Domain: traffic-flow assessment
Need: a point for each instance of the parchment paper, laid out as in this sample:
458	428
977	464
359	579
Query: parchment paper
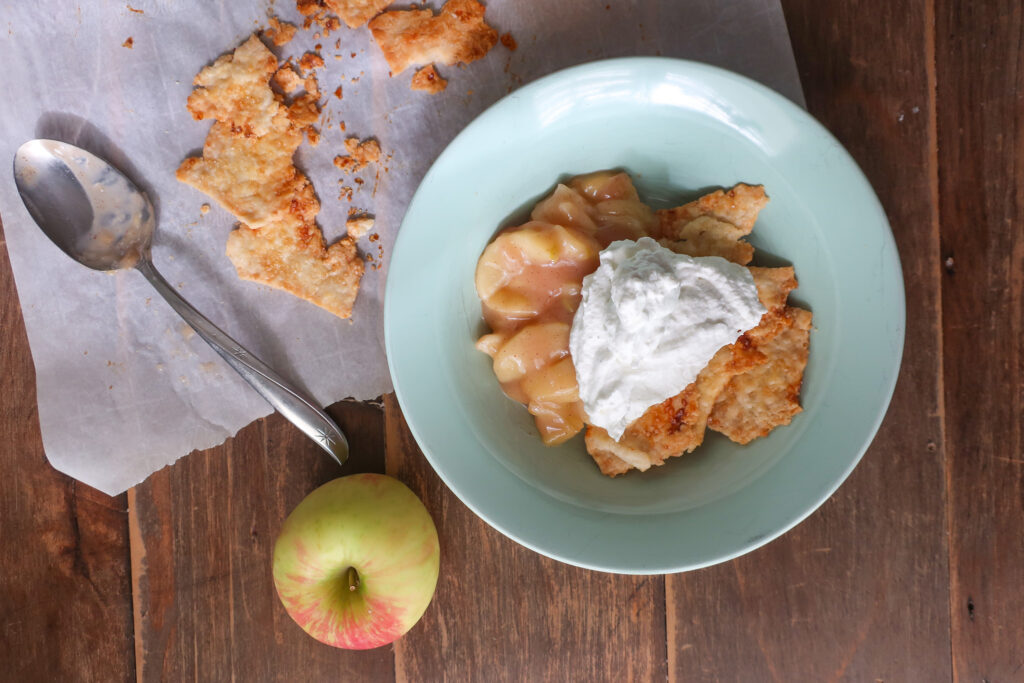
124	387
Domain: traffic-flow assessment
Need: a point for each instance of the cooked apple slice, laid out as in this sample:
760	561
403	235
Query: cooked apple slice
491	273
491	343
630	218
535	241
556	422
530	349
555	383
512	304
565	207
605	185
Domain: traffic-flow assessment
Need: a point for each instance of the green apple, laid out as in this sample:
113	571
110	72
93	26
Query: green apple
356	561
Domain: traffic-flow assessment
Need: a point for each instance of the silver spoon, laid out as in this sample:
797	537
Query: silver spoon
102	220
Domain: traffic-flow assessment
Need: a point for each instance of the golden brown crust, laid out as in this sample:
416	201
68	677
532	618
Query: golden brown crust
287	79
251	176
755	402
773	285
247	167
280	32
739	206
304	110
457	34
714	224
360	155
291	256
311	60
234	88
707	236
428	80
355	13
308	8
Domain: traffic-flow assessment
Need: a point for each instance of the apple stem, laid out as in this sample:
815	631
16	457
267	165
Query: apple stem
353	579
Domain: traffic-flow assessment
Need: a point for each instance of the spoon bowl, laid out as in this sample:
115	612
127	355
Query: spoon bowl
85	206
98	217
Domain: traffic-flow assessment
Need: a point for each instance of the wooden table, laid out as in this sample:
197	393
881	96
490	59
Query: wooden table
913	571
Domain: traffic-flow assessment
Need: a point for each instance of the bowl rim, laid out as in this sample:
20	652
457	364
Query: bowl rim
891	373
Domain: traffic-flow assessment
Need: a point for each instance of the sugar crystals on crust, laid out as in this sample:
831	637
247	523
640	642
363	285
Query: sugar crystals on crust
715	224
355	13
458	34
247	167
234	89
755	402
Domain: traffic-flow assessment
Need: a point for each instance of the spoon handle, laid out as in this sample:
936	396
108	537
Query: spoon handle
289	401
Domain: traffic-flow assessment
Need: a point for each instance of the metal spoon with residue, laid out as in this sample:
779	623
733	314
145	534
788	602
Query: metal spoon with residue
100	218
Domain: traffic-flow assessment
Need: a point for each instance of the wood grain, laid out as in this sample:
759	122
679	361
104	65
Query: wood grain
505	613
911	572
202	540
65	602
858	591
980	70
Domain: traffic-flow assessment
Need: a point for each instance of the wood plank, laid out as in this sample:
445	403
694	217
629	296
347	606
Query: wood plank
505	613
859	590
203	533
65	605
980	69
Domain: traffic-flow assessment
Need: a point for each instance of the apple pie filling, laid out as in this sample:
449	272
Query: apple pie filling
529	280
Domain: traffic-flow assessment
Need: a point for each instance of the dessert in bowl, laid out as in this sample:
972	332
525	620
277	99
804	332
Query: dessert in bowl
680	130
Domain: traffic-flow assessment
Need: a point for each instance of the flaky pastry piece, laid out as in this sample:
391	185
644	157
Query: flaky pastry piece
355	13
251	176
247	167
290	254
457	34
768	395
715	224
293	257
234	88
739	206
280	32
287	79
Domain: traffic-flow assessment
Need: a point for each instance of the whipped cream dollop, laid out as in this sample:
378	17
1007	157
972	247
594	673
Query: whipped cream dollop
648	323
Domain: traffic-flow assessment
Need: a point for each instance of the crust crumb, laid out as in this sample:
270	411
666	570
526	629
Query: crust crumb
311	60
360	155
428	80
280	32
359	225
287	80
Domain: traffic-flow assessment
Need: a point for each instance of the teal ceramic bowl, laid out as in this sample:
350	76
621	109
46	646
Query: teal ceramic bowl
678	128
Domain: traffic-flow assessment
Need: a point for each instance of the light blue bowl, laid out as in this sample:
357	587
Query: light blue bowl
678	128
